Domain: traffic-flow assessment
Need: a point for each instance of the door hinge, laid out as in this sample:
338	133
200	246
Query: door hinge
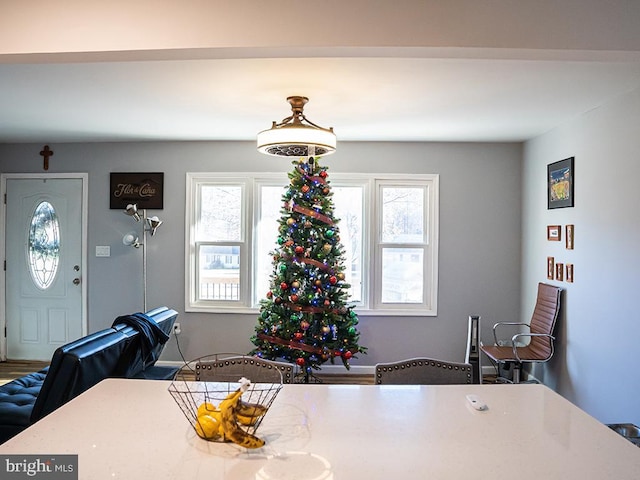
5	198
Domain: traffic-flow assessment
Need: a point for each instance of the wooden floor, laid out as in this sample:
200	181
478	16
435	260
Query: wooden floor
13	369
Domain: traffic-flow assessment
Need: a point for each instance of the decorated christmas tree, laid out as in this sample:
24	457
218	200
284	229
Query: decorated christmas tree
305	318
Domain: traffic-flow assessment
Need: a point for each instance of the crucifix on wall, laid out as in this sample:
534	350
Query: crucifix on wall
46	152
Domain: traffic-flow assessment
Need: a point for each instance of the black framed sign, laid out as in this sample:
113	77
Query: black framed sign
144	189
560	184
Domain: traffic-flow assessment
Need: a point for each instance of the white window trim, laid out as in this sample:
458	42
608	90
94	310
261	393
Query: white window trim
429	306
194	181
370	247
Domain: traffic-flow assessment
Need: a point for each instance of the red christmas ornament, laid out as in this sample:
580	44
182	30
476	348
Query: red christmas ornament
333	280
278	300
294	298
299	249
305	188
327	303
300	362
336	353
269	294
323	174
284	286
347	354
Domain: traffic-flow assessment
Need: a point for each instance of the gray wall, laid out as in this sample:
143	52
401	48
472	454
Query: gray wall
595	365
480	226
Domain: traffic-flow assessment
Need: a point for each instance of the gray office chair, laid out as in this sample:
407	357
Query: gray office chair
423	371
258	370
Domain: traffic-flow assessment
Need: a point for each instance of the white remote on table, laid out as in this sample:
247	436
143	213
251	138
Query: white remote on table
476	402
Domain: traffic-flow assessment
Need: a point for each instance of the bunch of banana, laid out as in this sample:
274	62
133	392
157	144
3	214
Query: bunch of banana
223	421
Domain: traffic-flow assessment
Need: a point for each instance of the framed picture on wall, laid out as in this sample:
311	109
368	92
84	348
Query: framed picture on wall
559	272
551	269
144	189
560	184
570	272
569	237
554	233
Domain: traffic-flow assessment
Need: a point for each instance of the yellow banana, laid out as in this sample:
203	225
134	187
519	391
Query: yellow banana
246	420
230	424
229	420
232	399
206	408
208	426
250	409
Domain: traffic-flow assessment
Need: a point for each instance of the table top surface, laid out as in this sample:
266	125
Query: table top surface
134	429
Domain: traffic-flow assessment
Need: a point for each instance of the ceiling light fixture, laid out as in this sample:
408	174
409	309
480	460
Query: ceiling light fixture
297	136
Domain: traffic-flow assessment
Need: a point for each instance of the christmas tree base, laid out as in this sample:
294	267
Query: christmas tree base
306	377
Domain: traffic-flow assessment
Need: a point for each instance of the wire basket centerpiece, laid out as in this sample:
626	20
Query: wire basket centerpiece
226	397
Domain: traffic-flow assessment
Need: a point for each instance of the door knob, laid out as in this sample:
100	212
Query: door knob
76	281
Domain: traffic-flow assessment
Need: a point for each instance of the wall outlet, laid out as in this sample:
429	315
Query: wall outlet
176	328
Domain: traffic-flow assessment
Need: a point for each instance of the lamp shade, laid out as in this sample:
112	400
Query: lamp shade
296	136
132	211
153	222
131	240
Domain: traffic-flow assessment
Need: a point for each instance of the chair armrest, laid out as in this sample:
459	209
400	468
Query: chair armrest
495	327
515	338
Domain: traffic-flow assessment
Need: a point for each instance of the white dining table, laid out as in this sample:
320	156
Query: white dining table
133	429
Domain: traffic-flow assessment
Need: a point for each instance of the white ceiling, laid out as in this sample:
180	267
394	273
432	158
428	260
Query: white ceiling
372	99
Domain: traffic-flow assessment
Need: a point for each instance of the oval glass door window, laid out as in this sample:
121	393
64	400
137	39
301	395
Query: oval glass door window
44	245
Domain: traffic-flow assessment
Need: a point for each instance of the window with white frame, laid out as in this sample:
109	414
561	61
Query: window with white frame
388	226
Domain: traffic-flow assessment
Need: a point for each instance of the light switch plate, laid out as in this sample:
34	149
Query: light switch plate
103	251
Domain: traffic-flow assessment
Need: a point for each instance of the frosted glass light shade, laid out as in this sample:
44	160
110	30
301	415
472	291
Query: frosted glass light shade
296	140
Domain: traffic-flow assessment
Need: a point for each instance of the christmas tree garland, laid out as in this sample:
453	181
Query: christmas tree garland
312	213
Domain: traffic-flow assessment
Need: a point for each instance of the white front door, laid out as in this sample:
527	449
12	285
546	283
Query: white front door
44	273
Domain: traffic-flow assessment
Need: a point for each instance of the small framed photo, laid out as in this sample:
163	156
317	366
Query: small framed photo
554	233
559	272
551	270
560	187
569	237
570	272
